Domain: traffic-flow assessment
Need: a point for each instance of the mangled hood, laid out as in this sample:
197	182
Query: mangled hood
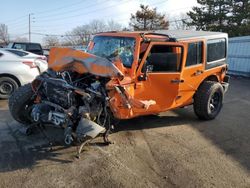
67	59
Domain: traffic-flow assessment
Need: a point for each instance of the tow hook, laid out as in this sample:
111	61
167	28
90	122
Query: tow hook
68	139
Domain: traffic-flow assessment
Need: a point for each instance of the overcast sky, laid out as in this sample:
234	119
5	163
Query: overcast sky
60	16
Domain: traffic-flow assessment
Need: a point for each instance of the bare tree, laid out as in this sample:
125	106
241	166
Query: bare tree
179	22
97	26
50	41
4	35
21	39
78	36
113	26
81	34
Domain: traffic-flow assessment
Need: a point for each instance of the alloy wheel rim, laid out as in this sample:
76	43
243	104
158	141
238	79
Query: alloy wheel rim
214	102
6	88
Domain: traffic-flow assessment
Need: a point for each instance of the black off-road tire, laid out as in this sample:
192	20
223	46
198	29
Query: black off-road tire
208	100
7	87
19	103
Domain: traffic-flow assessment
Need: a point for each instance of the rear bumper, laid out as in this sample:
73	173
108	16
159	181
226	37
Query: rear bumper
225	83
28	76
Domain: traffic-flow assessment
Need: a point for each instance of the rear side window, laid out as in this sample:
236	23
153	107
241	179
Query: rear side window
194	55
216	49
19	53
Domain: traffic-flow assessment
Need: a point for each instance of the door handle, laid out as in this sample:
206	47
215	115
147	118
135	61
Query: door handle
198	72
177	81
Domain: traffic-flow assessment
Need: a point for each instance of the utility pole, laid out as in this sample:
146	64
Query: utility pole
30	27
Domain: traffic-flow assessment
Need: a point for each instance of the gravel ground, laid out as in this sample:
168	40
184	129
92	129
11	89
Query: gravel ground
174	149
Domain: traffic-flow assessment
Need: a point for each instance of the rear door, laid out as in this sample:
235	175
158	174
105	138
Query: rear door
193	70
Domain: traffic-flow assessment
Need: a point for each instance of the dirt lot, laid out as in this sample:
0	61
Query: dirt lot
174	149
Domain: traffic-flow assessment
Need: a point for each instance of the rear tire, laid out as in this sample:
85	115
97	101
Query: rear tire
20	102
7	87
208	100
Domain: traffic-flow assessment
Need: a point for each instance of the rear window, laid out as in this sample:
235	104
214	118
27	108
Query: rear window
216	49
19	53
34	47
20	46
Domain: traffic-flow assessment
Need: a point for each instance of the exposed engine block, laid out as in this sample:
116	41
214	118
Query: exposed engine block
56	92
71	103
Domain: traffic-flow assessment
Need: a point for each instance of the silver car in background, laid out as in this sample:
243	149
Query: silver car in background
16	71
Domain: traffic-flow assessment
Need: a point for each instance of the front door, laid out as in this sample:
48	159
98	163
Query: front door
160	83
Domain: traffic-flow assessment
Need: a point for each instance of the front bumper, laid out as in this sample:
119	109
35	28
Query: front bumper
225	83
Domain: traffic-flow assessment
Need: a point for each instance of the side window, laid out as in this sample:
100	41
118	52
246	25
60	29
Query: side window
216	49
163	58
1	54
194	55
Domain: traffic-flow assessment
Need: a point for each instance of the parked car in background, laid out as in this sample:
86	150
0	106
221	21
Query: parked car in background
42	64
26	54
16	71
35	48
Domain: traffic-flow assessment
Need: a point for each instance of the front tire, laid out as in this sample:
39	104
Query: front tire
7	87
208	100
20	102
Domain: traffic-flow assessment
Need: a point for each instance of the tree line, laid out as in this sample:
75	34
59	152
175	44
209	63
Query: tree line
82	34
230	16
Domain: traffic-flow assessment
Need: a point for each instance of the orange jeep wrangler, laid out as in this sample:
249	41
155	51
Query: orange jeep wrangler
168	69
123	75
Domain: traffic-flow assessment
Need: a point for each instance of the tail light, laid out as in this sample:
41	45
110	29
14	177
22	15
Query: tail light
31	64
42	58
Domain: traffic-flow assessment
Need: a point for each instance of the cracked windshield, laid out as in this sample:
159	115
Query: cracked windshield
110	47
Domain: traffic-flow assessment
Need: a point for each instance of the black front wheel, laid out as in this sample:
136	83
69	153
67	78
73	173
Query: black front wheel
20	103
7	87
208	100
